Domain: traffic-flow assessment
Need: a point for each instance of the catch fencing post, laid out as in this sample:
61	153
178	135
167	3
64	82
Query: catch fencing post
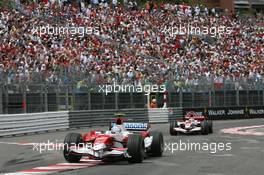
224	95
57	97
103	101
212	89
6	98
247	97
148	100
210	98
193	98
73	98
89	99
45	98
1	99
259	100
169	99
24	99
41	96
116	100
237	97
263	97
181	97
67	98
131	99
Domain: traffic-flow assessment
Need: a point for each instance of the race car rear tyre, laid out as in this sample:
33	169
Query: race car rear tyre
72	139
156	148
135	148
172	126
210	125
204	128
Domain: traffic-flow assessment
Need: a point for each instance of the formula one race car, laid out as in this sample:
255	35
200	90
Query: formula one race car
130	141
192	123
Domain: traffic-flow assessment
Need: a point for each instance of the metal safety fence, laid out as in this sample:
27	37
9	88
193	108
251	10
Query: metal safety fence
44	98
17	124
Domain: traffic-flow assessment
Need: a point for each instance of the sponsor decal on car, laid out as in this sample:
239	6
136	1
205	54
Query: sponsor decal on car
134	126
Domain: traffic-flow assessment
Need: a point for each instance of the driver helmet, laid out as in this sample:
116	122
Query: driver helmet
119	121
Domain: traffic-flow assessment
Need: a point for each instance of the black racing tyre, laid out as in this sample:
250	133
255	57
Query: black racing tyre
204	128
135	148
157	146
72	139
210	125
173	125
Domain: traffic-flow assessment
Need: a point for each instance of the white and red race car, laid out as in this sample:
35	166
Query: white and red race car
192	123
131	141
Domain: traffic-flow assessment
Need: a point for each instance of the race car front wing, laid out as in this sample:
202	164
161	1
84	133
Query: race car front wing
195	129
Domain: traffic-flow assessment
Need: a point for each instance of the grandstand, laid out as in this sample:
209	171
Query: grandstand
110	43
124	44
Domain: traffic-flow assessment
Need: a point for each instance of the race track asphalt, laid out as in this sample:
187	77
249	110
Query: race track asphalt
214	154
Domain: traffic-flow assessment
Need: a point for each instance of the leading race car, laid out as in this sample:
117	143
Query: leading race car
124	140
192	123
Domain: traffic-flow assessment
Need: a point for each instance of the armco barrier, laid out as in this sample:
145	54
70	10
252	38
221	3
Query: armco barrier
89	118
34	122
175	113
224	113
164	115
158	115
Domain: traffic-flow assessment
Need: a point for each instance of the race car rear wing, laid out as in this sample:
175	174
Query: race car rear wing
132	126
201	117
194	115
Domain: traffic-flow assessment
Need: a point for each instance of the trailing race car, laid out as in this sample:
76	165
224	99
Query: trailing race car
131	141
192	123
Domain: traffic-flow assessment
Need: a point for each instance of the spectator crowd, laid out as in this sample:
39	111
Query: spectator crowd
131	45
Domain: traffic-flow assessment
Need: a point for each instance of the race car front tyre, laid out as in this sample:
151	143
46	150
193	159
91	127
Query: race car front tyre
135	148
72	139
156	148
204	128
210	124
172	126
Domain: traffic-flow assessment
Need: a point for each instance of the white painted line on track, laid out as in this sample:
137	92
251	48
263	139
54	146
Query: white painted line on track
223	155
60	167
19	173
251	148
18	143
